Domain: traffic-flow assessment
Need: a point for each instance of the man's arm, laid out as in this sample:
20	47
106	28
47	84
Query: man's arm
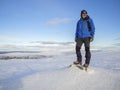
92	32
76	34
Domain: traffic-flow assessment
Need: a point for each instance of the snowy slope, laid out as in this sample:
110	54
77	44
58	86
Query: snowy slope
53	73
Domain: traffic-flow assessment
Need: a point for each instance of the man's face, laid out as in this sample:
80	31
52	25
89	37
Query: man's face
84	15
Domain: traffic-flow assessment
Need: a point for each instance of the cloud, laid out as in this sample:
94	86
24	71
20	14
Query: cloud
37	45
11	47
8	46
56	21
117	44
52	43
117	39
58	43
5	38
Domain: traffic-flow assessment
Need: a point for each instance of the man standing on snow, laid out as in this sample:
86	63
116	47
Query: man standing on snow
84	35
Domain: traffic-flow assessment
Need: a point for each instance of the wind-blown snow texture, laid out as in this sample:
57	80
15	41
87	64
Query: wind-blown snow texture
51	73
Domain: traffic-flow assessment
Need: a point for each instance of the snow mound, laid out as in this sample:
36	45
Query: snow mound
72	79
53	73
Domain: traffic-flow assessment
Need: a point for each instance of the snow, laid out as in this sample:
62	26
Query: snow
52	73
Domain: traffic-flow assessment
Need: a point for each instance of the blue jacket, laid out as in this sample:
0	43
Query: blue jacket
82	30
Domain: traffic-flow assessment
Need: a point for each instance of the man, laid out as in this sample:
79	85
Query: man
84	35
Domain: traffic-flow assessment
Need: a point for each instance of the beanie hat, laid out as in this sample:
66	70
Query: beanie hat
83	11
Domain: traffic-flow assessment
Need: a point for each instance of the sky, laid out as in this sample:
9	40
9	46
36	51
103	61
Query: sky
55	20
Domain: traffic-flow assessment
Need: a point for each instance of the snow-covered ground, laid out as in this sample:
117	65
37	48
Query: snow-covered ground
52	73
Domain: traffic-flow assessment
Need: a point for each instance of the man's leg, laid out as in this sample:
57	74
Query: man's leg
87	55
87	50
78	54
78	50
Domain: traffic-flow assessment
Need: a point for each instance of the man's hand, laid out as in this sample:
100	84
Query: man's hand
76	39
91	38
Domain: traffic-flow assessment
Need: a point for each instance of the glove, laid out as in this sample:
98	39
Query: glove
91	38
75	39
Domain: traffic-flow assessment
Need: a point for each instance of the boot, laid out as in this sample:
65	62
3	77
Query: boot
77	62
85	65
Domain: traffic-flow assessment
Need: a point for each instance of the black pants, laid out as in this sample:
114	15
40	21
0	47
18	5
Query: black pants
86	42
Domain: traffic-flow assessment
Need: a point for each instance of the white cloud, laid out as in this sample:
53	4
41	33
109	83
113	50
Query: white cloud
56	21
5	38
117	44
37	45
52	43
117	39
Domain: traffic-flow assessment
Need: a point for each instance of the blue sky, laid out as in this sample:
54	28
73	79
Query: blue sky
55	20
